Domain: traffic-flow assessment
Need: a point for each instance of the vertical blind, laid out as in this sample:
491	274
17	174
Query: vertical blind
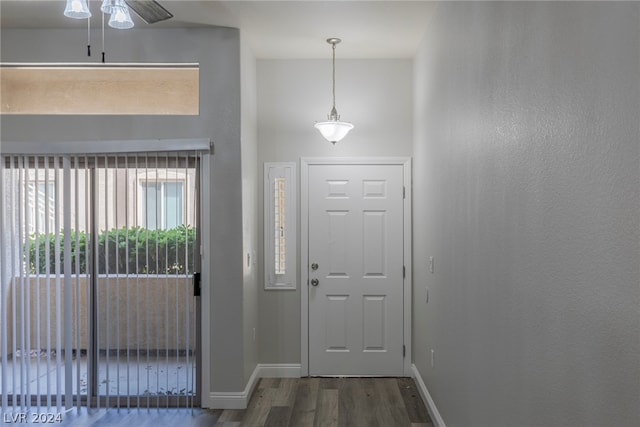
97	255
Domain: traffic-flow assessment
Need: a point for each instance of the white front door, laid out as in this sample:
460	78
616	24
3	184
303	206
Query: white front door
356	255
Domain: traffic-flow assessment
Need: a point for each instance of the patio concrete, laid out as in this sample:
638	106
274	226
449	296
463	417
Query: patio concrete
117	376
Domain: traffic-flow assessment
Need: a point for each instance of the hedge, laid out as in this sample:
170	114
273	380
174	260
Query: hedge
124	251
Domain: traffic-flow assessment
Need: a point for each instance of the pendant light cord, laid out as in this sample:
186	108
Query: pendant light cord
103	37
334	75
89	36
333	115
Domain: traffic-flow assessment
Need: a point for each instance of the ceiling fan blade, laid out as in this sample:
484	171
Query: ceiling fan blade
149	10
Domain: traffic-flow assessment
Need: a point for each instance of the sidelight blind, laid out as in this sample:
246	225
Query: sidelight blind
97	256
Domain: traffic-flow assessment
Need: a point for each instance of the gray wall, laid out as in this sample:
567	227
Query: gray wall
375	95
218	52
527	194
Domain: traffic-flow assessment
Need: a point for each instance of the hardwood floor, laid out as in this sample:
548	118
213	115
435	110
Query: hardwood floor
337	402
282	402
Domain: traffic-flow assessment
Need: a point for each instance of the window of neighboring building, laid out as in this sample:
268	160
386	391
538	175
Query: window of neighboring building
41	211
161	204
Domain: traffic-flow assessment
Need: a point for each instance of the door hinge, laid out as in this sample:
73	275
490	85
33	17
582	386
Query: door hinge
404	192
196	285
404	272
404	351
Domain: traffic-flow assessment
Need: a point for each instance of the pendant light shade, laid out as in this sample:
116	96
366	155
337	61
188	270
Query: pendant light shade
107	6
77	9
120	16
333	130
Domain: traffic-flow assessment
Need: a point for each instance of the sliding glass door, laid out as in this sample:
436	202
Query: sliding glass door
97	262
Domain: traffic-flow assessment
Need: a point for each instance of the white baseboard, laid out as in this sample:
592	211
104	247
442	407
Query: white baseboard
235	399
426	397
240	399
228	400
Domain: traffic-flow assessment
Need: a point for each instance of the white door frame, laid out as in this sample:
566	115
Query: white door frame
305	162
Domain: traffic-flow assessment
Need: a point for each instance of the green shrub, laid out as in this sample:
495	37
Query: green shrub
120	251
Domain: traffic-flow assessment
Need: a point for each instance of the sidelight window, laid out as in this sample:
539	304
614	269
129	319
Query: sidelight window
279	225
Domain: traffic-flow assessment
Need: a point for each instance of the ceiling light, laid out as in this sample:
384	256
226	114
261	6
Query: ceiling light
77	9
120	17
107	6
118	9
333	130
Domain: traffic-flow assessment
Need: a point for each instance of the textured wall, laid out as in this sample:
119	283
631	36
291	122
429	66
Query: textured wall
527	194
375	95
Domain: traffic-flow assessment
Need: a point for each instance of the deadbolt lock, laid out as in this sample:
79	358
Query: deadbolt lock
314	266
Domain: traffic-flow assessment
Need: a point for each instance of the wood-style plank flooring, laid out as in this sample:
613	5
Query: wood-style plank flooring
282	402
337	402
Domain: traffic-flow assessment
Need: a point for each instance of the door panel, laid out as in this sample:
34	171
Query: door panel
374	328
144	349
356	238
336	321
374	243
338	223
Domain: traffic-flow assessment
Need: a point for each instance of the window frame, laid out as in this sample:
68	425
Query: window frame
161	220
288	280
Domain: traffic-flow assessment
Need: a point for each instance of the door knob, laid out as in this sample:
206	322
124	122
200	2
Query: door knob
315	282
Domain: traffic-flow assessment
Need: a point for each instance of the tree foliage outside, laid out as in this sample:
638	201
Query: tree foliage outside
133	250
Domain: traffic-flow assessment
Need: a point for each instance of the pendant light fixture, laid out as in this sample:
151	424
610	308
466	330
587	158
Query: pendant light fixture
333	130
107	6
77	9
119	11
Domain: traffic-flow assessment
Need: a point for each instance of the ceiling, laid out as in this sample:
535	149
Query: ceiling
274	29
